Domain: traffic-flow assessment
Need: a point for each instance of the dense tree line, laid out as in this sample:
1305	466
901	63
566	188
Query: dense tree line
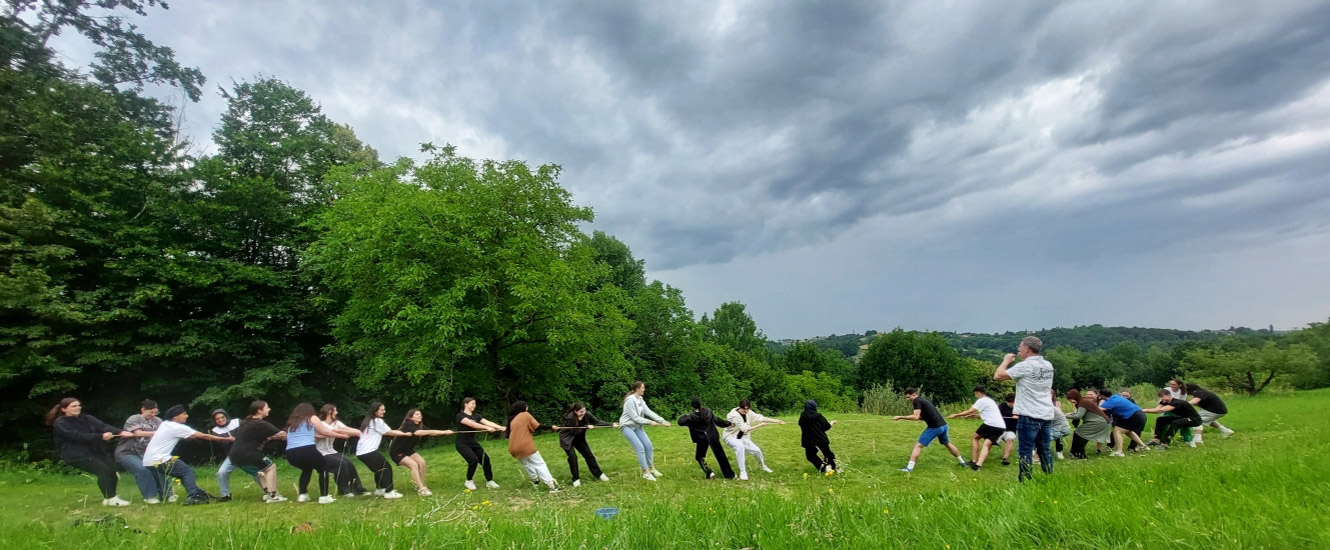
293	264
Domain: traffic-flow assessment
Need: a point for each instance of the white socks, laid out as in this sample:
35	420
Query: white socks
910	466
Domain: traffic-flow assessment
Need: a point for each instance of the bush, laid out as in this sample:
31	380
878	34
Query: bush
884	400
827	390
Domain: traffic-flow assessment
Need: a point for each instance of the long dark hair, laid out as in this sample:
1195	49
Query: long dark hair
573	408
58	410
636	385
371	414
326	410
299	416
407	418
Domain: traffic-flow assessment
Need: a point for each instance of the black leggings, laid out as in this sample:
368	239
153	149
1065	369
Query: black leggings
1078	444
309	459
811	454
580	446
383	473
721	458
344	473
475	455
102	467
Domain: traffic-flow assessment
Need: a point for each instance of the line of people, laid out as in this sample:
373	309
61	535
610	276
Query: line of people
147	440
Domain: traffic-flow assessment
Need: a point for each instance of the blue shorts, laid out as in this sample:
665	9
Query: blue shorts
939	433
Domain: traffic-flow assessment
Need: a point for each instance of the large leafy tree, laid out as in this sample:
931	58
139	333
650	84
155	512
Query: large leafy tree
730	325
911	359
83	184
463	276
1235	367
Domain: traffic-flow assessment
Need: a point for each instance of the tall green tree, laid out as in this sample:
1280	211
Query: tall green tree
921	360
463	276
732	326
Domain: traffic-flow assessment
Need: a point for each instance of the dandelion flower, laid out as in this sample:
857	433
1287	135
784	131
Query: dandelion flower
487	503
886	511
831	491
467	490
805	474
475	507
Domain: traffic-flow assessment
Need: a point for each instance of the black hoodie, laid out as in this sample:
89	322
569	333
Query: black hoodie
81	436
814	426
702	425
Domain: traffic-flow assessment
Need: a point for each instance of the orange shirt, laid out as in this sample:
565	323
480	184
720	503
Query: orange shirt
520	442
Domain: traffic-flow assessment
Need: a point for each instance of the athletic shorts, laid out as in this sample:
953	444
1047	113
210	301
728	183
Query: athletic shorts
991	433
1207	416
1007	436
397	457
939	433
1133	423
254	470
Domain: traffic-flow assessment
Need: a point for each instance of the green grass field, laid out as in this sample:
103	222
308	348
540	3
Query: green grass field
1264	488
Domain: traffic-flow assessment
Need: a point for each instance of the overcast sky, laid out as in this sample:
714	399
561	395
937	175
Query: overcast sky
846	166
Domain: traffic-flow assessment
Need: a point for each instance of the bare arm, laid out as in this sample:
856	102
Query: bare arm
1001	373
323	429
914	416
967	413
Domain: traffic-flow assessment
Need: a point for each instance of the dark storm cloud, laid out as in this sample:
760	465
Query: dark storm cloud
707	133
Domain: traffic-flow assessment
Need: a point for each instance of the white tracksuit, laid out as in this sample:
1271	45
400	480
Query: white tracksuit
737	437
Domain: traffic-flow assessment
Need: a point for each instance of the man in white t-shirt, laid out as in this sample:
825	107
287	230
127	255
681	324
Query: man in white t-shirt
158	454
1034	380
990	429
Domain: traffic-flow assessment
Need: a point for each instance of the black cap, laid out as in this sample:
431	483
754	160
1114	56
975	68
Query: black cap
174	411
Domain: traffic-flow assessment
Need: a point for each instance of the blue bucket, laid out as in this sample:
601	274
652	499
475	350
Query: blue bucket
607	513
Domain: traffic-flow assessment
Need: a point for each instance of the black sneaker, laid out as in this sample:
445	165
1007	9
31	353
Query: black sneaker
201	499
975	467
224	498
1006	462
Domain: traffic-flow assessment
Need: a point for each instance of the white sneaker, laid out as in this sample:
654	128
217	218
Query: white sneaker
470	485
114	501
302	498
1115	453
577	483
151	501
491	485
1060	456
554	489
647	476
392	494
743	476
275	498
327	500
172	498
1191	444
656	473
766	469
604	477
1226	435
380	492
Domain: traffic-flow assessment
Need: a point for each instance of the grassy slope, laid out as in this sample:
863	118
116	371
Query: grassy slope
1263	488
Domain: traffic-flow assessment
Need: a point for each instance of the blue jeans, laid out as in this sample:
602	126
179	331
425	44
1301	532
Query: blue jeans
637	437
143	476
224	477
1033	434
179	470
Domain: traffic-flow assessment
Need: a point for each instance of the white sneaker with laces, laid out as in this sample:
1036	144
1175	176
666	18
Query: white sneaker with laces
743	476
302	498
327	500
152	501
392	494
647	476
1060	456
274	498
604	477
470	485
380	492
491	485
1226	435
656	473
766	469
114	501
577	483
1115	453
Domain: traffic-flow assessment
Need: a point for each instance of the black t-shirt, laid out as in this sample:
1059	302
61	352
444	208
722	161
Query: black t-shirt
928	413
405	445
1182	408
250	437
1007	415
466	439
1210	402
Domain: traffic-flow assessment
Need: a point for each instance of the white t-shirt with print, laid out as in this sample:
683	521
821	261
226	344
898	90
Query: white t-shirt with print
1034	380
